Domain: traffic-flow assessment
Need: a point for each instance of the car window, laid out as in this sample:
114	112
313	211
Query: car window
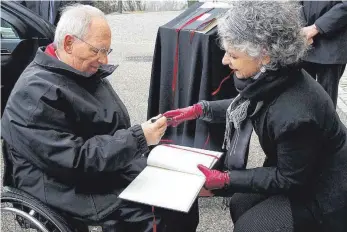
7	31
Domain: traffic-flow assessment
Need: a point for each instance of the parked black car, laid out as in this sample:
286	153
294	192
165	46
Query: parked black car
22	32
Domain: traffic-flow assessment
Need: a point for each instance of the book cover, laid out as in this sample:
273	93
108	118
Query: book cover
171	179
204	18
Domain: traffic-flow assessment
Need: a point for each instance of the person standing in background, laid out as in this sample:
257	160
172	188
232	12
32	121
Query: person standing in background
50	9
326	29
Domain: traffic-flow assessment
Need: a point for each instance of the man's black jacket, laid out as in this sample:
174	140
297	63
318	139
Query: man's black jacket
69	138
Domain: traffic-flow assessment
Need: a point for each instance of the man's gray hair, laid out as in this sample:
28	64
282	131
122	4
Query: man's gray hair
75	20
261	28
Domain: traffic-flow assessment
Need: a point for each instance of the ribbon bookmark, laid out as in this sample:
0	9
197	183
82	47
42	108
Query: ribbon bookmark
197	152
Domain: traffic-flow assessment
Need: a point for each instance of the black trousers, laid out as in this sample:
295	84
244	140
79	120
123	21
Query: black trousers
131	217
252	212
137	217
328	75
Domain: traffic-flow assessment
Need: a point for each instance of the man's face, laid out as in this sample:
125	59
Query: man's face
88	53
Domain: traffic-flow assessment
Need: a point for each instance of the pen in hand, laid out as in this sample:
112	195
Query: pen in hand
153	120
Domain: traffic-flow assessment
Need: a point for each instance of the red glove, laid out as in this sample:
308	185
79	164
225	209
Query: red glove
180	115
214	179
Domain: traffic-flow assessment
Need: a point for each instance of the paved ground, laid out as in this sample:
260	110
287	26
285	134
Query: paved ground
342	99
133	43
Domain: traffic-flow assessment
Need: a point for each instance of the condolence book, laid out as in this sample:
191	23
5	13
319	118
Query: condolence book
204	18
171	179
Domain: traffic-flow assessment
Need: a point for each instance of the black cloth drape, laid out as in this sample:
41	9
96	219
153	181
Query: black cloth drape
200	72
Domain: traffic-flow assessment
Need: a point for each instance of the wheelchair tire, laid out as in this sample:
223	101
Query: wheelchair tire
29	212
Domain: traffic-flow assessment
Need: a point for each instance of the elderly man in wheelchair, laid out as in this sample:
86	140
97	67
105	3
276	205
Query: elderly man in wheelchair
68	145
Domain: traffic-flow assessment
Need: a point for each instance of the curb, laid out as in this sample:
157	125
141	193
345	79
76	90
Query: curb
342	103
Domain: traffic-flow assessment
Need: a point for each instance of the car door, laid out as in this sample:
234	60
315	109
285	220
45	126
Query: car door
22	32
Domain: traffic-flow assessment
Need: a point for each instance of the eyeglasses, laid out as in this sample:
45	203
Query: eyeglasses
97	51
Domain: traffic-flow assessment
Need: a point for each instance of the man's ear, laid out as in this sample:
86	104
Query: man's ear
68	43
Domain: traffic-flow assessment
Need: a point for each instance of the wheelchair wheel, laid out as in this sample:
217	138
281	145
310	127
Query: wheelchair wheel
21	212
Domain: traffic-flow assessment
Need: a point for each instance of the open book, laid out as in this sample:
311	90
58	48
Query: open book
171	179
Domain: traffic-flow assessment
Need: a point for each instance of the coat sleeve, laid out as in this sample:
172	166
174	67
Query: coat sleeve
215	111
296	157
334	19
61	153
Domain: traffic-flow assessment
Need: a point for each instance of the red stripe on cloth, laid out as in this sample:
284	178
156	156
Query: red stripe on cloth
220	84
154	222
207	141
197	152
192	32
175	69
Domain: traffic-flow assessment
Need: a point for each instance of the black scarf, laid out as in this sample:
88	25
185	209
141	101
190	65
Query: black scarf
269	84
241	84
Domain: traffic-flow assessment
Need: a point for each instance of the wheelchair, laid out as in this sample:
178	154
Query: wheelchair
22	212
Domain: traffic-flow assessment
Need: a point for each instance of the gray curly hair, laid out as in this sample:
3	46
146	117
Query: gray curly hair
261	28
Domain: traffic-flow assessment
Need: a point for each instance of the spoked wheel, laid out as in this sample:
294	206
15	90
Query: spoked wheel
21	212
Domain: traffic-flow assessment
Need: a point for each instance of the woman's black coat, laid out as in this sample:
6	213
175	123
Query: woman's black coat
305	146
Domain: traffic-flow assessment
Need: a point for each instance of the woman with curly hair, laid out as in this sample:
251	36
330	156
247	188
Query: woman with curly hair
302	185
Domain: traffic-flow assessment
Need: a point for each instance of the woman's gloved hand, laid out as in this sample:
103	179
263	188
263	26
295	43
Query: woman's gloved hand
214	179
175	117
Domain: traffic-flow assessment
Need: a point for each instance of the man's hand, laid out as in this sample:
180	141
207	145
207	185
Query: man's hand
310	32
214	179
153	131
180	115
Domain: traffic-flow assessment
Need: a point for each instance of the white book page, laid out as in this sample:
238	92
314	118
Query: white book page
182	159
164	188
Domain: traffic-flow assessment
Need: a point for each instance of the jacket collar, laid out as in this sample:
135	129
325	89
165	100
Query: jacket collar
50	50
47	58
